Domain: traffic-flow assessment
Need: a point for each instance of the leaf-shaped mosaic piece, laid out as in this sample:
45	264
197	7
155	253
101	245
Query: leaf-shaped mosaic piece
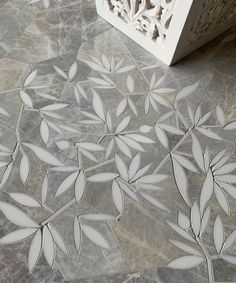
121	167
24	199
207	190
197	153
80	185
132	106
106	62
148	187
6	174
153	178
160	100
35	250
140	173
197	115
130	83
147	104
26	99
24	168
218	157
131	143
77	234
186	91
161	135
109	122
30	78
220	115
145	129
153	80
60	72
183	221
67	183
44	190
230	126
48	246
17	236
109	148
226	178
209	134
181	181
127	189
54	127
186	262
117	196
154	202
97	217
44	131
17	216
50	123
122	125
221	162
121	107
191	114
98	106
47	96
229	241
123	147
206	158
95	236
221	198
103	177
204	118
225	169
218	234
65	169
195	219
171	129
79	90
58	239
44	155
134	165
90	146
140	138
88	154
205	220
54	107
103	84
186	163
72	71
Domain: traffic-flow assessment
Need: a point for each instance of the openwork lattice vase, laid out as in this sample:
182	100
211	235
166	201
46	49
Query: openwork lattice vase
169	29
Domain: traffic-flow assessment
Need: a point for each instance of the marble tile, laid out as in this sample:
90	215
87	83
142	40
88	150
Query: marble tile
15	17
82	110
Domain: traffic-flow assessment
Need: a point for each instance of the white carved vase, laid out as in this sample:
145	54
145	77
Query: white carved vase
169	29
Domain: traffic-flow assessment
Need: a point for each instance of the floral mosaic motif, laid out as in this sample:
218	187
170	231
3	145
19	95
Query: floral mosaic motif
151	17
124	149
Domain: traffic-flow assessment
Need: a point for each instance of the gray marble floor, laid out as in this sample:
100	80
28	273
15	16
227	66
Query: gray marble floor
113	166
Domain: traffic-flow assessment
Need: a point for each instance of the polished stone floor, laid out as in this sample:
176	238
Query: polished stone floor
113	166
